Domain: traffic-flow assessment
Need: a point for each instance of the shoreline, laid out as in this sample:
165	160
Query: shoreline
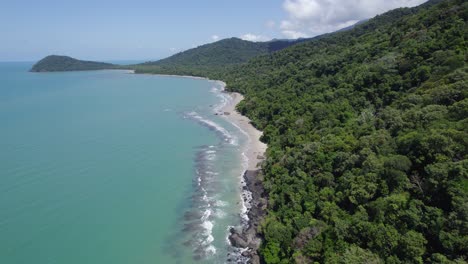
176	76
256	150
247	239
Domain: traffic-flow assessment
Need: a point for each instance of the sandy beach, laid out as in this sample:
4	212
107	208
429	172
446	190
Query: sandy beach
247	238
175	76
256	149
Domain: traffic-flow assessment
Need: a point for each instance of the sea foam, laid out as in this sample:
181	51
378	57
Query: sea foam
227	137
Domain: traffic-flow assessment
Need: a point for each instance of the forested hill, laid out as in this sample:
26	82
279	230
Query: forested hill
198	61
208	59
226	51
54	63
213	57
368	134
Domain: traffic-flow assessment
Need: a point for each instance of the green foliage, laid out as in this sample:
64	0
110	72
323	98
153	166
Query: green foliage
367	136
199	60
356	255
271	253
63	63
211	60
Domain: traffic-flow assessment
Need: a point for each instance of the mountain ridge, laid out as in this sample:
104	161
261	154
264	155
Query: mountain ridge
195	61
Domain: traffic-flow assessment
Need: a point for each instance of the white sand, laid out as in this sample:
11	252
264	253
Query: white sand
256	148
181	76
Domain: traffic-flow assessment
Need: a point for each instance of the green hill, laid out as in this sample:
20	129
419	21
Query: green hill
367	136
214	57
226	51
55	63
204	60
200	61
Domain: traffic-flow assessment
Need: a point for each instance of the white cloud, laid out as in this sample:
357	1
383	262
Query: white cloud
215	37
313	17
255	38
173	49
291	34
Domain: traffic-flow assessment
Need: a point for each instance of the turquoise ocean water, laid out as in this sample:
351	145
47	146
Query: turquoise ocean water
112	167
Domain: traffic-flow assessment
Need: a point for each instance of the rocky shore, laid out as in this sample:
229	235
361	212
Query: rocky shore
248	238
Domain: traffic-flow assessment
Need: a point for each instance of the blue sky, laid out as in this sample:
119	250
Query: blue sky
145	29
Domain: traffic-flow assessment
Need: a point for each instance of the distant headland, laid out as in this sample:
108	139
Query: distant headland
56	63
205	60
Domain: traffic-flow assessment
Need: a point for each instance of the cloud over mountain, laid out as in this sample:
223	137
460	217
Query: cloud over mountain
254	38
308	18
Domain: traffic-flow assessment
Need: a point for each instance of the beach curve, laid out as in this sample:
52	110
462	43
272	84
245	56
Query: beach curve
247	238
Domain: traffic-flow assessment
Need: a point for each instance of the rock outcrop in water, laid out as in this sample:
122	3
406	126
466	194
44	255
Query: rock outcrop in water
248	238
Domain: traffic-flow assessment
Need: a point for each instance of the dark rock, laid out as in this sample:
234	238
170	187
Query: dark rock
238	241
255	259
248	237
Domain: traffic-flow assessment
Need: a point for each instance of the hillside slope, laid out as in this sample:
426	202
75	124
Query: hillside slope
226	51
214	57
201	61
367	135
64	63
209	59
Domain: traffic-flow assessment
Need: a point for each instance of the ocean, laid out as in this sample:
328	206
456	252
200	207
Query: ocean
114	167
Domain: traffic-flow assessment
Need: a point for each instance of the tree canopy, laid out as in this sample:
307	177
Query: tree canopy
367	140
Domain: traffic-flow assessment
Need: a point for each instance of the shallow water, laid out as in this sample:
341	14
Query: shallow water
111	167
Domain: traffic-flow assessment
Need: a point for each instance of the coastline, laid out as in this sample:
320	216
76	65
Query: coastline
246	238
176	76
256	149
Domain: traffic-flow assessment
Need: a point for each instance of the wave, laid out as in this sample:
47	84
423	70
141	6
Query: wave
225	135
206	208
246	195
225	100
236	254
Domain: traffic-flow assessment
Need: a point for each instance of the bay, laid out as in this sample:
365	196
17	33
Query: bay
113	167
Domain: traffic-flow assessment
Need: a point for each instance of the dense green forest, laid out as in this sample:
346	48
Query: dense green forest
219	56
54	63
367	136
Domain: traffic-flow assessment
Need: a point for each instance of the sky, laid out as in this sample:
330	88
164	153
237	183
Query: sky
153	29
